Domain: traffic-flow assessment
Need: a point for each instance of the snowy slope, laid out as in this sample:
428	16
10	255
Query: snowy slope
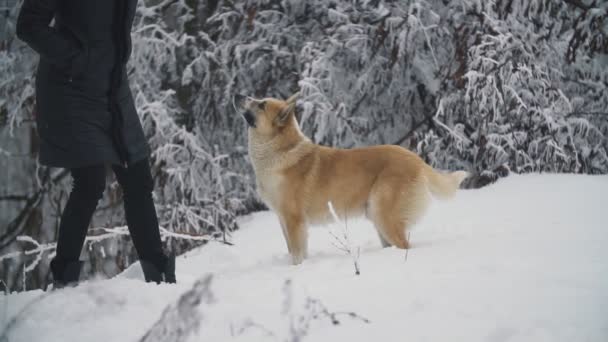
522	260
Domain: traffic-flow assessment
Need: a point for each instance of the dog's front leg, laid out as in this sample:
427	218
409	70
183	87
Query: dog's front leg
286	235
296	237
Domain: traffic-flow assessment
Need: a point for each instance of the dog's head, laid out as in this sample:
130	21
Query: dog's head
267	117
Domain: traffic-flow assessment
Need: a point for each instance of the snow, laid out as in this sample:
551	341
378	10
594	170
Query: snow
524	259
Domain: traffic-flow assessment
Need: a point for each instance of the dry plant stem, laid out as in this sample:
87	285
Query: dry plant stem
343	243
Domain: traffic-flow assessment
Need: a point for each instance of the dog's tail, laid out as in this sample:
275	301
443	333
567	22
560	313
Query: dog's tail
443	185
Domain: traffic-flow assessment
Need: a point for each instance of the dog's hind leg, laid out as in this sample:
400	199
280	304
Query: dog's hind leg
385	213
395	206
373	216
391	232
382	239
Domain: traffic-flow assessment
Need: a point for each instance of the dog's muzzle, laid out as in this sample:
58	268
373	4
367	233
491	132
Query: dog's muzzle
250	118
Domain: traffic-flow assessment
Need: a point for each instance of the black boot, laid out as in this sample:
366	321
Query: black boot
65	273
152	273
170	271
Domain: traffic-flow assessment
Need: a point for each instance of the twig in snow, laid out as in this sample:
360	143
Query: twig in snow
299	318
250	324
314	309
343	243
179	321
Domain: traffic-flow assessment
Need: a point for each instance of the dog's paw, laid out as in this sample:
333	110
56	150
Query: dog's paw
297	259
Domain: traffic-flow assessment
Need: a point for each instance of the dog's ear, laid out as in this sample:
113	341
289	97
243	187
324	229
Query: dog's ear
293	98
285	113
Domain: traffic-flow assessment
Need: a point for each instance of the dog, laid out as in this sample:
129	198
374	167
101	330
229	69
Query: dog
297	179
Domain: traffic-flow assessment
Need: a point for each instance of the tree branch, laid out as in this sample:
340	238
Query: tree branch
579	4
411	131
17	198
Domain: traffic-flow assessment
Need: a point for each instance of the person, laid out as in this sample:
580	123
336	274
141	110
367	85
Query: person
86	119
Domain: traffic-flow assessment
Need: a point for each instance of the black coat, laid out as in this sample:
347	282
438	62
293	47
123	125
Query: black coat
85	110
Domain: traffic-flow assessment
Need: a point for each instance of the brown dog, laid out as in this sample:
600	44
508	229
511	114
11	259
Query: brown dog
297	178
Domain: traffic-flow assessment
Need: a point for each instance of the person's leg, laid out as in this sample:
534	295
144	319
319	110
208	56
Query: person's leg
137	185
88	184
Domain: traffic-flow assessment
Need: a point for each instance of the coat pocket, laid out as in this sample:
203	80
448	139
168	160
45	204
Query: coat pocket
53	130
131	130
80	64
132	127
52	109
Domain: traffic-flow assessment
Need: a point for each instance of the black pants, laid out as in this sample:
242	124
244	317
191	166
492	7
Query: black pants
87	189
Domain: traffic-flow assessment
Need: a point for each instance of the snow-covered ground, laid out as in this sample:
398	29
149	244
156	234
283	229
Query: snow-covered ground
525	259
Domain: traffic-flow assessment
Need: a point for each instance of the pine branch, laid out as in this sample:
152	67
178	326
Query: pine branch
579	4
16	198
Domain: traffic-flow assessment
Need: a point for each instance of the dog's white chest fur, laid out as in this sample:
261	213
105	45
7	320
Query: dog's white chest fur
268	189
267	180
267	164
